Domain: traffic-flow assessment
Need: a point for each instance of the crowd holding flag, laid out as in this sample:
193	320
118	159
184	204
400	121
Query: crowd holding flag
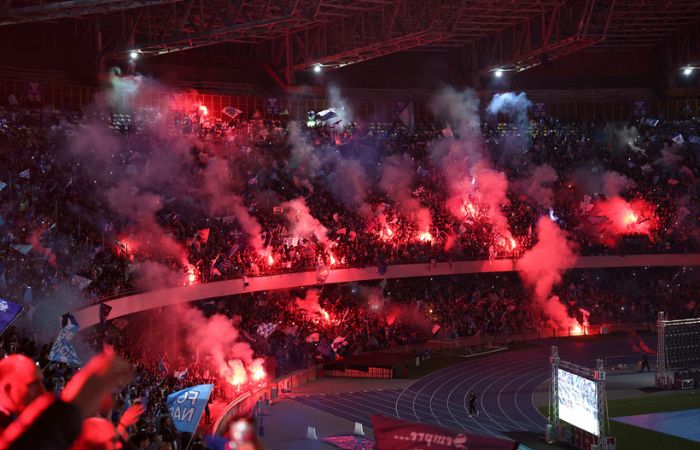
187	406
266	329
62	350
8	313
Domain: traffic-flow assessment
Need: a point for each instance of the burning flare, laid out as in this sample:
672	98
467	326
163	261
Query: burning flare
425	237
191	275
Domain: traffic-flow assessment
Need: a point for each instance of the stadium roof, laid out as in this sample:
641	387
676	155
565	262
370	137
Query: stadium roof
296	34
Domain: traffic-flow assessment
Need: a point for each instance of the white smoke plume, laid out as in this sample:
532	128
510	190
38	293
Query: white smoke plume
512	104
302	223
538	185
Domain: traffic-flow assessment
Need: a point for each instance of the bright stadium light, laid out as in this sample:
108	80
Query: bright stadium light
687	71
133	54
498	73
317	68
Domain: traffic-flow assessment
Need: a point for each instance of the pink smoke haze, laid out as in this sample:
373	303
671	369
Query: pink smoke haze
465	167
302	223
37	246
538	185
311	307
542	267
617	217
396	181
218	188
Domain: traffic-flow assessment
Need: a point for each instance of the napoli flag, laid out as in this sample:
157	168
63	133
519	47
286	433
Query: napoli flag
8	311
186	406
62	350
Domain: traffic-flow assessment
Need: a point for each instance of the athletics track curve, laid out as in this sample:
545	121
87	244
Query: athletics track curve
504	382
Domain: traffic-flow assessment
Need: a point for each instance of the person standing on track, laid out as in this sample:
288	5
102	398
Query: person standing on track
472	405
645	362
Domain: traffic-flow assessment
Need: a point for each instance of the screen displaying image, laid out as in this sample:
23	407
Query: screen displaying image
578	401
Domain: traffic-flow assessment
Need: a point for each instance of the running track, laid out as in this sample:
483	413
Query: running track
505	384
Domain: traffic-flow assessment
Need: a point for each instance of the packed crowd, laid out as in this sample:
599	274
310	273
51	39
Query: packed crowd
63	239
368	317
58	228
298	328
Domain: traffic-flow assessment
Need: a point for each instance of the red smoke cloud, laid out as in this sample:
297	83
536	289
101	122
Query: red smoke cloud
310	305
543	265
396	180
616	217
465	166
183	334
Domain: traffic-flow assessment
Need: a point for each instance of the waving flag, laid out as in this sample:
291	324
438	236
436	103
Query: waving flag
8	313
231	111
324	348
407	116
163	366
187	405
203	235
62	350
266	329
81	282
339	344
22	248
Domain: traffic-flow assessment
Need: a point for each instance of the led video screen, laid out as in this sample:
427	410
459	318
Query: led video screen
578	401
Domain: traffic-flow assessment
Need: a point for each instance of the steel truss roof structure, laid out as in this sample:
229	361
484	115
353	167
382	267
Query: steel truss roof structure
296	34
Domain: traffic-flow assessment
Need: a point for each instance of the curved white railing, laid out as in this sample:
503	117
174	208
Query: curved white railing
89	315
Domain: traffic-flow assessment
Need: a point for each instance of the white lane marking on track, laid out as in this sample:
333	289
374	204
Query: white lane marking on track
459	368
515	397
446	369
497	365
445	407
499	375
340	401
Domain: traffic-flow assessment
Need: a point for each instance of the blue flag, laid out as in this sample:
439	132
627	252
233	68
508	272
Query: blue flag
186	406
8	313
62	350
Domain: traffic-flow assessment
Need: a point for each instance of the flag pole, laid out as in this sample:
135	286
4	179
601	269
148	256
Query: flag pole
193	433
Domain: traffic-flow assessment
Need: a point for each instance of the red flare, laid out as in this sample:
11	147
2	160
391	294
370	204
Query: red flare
326	316
257	370
191	275
617	217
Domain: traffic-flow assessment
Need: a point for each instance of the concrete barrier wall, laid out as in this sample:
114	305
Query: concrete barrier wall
89	316
243	405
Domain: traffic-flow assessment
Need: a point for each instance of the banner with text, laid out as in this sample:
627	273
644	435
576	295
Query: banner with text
395	434
186	406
